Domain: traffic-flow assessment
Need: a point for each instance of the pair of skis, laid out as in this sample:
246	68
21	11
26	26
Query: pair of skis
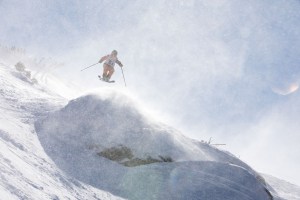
102	78
112	81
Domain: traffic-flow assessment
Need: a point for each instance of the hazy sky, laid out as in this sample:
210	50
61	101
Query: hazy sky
226	69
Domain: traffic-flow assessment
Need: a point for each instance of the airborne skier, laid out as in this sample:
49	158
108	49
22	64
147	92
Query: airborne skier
108	66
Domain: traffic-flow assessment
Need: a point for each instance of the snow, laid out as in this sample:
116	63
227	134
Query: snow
26	171
54	146
75	135
284	189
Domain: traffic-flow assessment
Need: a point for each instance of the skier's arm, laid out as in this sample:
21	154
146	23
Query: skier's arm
103	58
119	63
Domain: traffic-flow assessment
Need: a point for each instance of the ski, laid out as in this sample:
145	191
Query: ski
112	81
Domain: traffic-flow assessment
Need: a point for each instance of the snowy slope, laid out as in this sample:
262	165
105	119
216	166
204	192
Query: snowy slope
26	171
102	145
284	189
168	165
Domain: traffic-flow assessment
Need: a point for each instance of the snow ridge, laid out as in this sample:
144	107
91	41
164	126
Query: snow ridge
75	136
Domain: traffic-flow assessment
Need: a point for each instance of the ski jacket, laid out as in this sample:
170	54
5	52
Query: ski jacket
110	60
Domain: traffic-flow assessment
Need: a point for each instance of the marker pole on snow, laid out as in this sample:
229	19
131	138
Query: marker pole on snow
89	66
123	76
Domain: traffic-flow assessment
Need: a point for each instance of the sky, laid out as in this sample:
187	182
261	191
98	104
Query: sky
221	69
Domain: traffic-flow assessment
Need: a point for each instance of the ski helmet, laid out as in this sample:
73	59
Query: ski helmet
114	52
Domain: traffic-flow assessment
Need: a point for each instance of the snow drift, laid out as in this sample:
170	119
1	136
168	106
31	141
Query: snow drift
105	141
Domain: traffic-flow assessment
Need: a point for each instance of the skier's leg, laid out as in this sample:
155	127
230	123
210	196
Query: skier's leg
105	71
110	72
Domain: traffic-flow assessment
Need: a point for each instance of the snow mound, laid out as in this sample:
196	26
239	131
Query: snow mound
97	136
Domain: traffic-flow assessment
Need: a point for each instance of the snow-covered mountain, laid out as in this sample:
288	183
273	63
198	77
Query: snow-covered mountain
101	145
26	171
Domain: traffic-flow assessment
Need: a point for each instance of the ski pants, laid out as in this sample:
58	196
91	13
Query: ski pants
108	70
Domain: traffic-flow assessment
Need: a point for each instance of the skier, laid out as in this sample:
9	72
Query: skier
108	66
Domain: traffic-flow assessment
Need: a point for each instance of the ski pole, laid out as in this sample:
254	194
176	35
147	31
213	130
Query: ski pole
123	76
89	66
